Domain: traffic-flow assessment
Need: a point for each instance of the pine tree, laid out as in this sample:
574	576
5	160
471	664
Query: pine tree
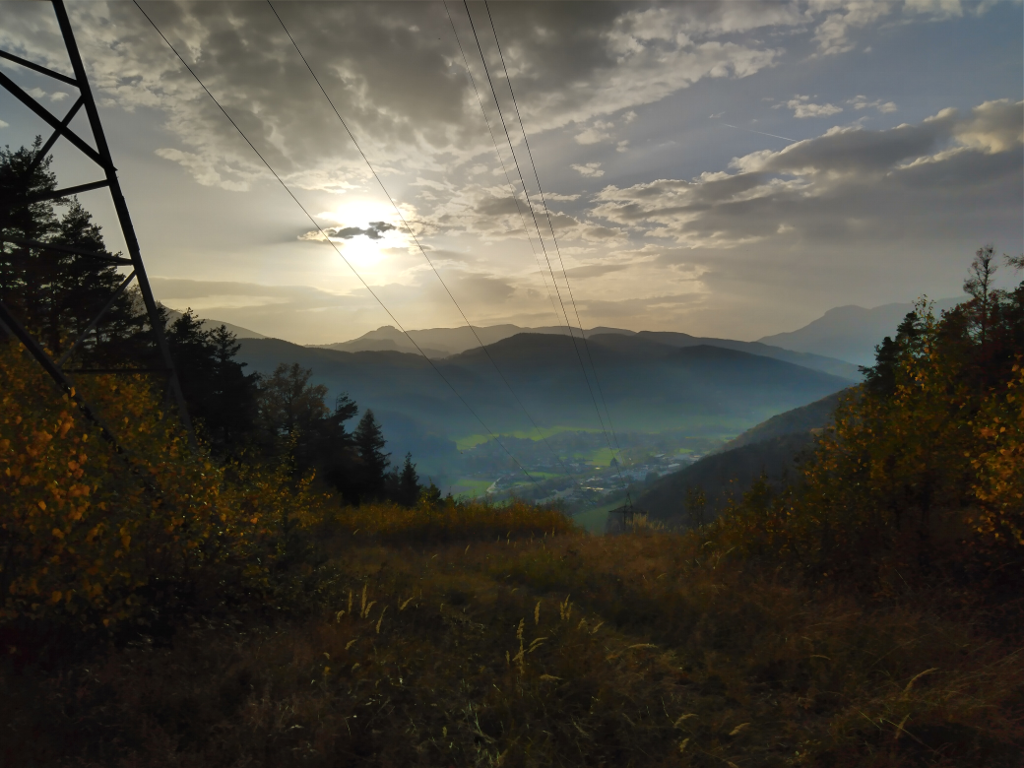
408	483
373	461
54	294
221	398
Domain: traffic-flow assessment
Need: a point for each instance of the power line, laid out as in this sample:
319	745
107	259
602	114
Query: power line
554	239
413	234
501	160
519	209
533	214
583	367
333	245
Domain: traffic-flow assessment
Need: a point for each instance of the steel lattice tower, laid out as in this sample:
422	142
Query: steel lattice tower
98	153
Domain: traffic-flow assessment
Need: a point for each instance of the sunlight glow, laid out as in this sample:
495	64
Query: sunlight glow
369	247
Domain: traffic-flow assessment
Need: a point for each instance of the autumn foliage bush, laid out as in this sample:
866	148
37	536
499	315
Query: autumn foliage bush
919	481
89	535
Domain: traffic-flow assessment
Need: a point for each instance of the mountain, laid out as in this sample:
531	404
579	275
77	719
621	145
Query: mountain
850	333
209	325
807	360
648	386
442	342
445	342
772	447
799	421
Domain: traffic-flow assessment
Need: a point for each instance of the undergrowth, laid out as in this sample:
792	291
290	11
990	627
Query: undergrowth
562	650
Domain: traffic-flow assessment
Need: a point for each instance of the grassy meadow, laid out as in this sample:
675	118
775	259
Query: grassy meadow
473	636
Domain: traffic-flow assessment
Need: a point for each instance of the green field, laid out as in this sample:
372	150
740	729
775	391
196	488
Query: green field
599	457
469	441
470	487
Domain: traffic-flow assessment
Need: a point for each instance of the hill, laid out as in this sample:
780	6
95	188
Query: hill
849	333
209	325
772	447
648	386
444	342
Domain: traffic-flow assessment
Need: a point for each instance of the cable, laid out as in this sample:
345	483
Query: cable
522	216
533	213
328	239
413	234
501	160
554	239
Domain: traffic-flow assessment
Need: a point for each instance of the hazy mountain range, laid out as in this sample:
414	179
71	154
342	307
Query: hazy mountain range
209	325
647	382
837	342
445	342
850	333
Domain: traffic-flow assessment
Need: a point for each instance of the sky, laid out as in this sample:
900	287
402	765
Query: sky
728	168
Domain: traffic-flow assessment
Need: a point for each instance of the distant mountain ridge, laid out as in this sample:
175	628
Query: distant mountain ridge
445	342
850	332
209	325
649	386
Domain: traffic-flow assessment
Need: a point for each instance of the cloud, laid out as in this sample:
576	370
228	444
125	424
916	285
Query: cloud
4	124
844	16
803	107
497	206
39	93
397	78
922	182
596	133
995	126
591	170
594	270
861	102
375	231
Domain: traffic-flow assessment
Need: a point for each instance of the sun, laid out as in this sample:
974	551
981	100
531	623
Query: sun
369	248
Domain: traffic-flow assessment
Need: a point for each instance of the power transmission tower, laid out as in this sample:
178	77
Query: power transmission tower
98	153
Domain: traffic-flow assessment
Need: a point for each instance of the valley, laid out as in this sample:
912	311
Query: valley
661	400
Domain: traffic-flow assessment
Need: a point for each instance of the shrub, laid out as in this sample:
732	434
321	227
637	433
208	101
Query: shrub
919	480
87	533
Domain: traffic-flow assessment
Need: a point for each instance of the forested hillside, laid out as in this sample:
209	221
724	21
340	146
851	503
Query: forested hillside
648	387
444	342
771	449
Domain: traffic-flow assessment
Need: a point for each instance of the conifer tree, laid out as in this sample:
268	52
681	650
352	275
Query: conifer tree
373	461
408	483
56	294
221	398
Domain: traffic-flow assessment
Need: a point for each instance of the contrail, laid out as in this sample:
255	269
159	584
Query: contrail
761	132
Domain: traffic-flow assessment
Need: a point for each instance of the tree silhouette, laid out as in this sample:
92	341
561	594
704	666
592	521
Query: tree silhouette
407	491
56	294
373	461
221	398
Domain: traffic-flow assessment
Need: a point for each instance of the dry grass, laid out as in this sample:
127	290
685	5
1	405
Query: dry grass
561	650
446	520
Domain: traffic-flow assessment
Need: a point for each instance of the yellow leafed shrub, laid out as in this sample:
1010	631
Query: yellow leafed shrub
85	530
999	485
